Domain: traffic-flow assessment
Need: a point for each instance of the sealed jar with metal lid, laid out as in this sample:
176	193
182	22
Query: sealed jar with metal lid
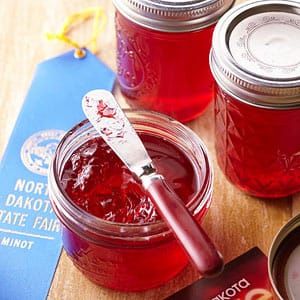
256	64
163	53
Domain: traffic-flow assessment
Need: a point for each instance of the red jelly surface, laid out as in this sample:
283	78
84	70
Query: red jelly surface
165	72
97	181
258	149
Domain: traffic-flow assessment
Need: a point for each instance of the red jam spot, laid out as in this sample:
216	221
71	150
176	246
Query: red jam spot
106	131
98	182
104	110
101	106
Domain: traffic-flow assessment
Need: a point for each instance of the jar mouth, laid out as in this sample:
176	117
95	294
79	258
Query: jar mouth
242	72
154	122
282	239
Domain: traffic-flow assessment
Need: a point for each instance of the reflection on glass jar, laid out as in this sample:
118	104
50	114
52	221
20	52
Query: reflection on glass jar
162	54
256	65
110	230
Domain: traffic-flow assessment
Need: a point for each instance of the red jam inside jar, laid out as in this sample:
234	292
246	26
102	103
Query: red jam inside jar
257	148
256	65
163	64
98	182
110	229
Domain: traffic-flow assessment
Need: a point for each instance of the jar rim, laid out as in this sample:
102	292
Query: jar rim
256	89
171	16
280	239
69	212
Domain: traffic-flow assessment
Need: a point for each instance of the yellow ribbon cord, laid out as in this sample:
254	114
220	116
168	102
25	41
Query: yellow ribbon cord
99	22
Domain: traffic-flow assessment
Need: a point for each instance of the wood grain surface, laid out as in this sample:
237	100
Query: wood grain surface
236	222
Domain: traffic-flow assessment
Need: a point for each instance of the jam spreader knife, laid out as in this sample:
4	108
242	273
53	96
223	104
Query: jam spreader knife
109	120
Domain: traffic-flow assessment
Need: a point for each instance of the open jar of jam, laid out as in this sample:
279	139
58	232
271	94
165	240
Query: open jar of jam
110	229
256	64
163	53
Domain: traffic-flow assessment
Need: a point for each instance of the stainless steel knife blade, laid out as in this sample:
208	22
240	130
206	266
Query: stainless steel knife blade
107	117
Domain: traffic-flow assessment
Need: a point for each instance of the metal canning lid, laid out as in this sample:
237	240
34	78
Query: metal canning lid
171	15
284	258
255	53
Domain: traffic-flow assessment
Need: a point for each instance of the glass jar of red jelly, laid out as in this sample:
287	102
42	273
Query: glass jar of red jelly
110	229
163	53
256	65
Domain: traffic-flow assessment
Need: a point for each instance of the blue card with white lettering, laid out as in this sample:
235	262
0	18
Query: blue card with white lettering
30	243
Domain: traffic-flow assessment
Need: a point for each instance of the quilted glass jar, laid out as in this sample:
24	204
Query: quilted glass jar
125	256
256	65
163	53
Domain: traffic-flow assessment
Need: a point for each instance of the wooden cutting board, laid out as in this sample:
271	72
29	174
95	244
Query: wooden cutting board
235	221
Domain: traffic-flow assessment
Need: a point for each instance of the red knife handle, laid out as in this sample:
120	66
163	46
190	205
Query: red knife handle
201	250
